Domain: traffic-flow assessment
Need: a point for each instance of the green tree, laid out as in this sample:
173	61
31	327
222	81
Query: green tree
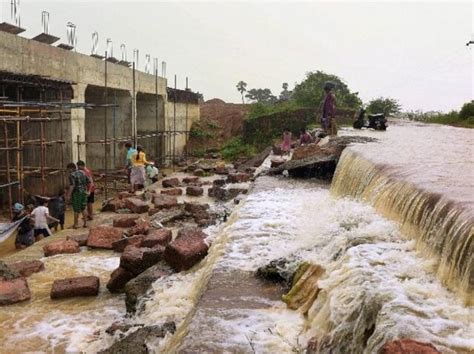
261	96
387	106
310	92
285	95
242	87
467	111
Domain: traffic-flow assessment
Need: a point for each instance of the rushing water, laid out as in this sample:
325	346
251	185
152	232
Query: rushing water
423	177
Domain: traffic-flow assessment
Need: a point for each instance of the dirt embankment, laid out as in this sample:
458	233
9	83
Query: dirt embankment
220	122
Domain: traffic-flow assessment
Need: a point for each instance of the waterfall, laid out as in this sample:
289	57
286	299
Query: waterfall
443	229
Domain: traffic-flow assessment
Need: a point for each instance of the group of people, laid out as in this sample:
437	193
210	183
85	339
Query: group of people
328	121
140	171
50	212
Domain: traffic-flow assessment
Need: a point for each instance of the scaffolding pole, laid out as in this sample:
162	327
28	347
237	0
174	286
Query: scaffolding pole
106	160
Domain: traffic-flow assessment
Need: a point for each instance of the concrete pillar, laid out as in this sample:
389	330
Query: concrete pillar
78	118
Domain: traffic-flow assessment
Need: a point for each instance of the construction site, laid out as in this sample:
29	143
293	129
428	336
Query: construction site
58	106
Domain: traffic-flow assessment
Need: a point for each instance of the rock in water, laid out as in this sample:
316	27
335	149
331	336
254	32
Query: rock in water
13	288
137	287
408	346
71	287
104	237
120	245
13	291
191	180
157	237
165	201
136	342
170	183
138	259
61	247
26	268
141	228
305	289
118	279
187	249
136	205
125	221
194	191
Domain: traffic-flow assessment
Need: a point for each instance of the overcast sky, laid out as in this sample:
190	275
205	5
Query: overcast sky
412	51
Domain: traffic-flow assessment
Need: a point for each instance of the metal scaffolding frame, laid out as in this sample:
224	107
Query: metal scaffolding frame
17	116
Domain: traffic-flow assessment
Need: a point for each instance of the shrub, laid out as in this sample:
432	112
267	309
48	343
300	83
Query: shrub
235	149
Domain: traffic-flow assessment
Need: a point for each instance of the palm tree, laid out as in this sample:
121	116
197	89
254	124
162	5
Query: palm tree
242	87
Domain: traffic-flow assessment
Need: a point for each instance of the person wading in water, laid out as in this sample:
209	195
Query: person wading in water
78	192
328	119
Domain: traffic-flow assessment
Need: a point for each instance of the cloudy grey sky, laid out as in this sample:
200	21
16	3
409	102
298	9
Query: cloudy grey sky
412	51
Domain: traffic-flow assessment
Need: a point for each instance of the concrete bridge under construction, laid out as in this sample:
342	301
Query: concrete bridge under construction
57	105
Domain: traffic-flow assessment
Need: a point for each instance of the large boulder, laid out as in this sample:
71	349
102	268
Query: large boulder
81	239
137	287
187	249
136	342
165	202
136	205
170	183
408	346
26	268
13	291
125	221
120	245
194	191
118	279
104	236
238	177
157	237
172	191
114	205
141	228
138	259
61	247
72	287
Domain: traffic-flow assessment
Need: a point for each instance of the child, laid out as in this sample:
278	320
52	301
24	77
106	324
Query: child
41	216
25	236
152	172
286	145
57	209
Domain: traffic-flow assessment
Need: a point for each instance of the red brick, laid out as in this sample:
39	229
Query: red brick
125	221
104	236
187	249
71	287
60	247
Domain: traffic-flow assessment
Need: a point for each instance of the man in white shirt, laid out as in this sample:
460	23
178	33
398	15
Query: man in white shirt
41	216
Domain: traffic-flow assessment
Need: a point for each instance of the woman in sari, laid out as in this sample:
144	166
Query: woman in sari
137	174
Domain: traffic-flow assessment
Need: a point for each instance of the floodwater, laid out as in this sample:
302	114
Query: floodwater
379	284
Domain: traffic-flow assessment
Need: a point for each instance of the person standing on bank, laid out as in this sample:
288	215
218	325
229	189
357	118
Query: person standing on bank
25	234
138	175
328	119
77	193
81	165
128	161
